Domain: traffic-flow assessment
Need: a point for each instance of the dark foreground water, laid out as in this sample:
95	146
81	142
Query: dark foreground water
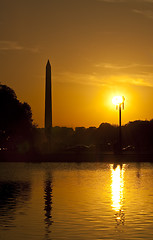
50	201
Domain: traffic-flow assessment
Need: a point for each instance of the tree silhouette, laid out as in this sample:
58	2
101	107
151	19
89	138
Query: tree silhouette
16	122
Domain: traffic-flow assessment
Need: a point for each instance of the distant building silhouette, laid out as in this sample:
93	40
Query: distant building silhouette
48	98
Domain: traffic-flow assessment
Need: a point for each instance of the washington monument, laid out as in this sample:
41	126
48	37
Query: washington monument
48	98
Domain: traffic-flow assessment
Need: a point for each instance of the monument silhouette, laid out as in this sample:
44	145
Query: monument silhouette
48	205
48	98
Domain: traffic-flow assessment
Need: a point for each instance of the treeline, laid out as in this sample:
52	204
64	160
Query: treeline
19	133
136	136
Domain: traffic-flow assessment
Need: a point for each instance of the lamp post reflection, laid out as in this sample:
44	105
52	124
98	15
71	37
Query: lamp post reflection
117	185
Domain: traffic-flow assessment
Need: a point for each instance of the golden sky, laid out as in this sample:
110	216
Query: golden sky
97	49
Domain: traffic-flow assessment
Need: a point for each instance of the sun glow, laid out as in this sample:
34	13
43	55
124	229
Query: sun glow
118	100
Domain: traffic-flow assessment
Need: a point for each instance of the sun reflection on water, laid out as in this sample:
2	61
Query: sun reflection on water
117	186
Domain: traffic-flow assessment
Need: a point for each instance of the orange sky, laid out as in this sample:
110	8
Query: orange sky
97	49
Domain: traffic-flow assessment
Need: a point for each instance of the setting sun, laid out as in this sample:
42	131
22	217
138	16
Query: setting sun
118	100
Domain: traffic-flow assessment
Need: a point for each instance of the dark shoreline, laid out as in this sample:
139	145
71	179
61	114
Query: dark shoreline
76	157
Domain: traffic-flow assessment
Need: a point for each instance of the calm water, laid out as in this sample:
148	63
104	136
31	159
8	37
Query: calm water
52	201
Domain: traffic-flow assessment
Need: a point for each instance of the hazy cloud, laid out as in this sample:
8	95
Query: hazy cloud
119	67
78	78
95	79
137	79
114	67
8	45
142	74
11	45
145	13
112	1
128	1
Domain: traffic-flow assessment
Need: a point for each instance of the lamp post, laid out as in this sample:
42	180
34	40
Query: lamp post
119	102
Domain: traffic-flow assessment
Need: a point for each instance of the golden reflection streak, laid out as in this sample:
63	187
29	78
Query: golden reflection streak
117	185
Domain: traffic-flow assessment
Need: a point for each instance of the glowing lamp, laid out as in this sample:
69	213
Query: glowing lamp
118	101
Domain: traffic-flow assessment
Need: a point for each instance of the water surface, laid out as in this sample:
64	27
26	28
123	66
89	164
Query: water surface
54	201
